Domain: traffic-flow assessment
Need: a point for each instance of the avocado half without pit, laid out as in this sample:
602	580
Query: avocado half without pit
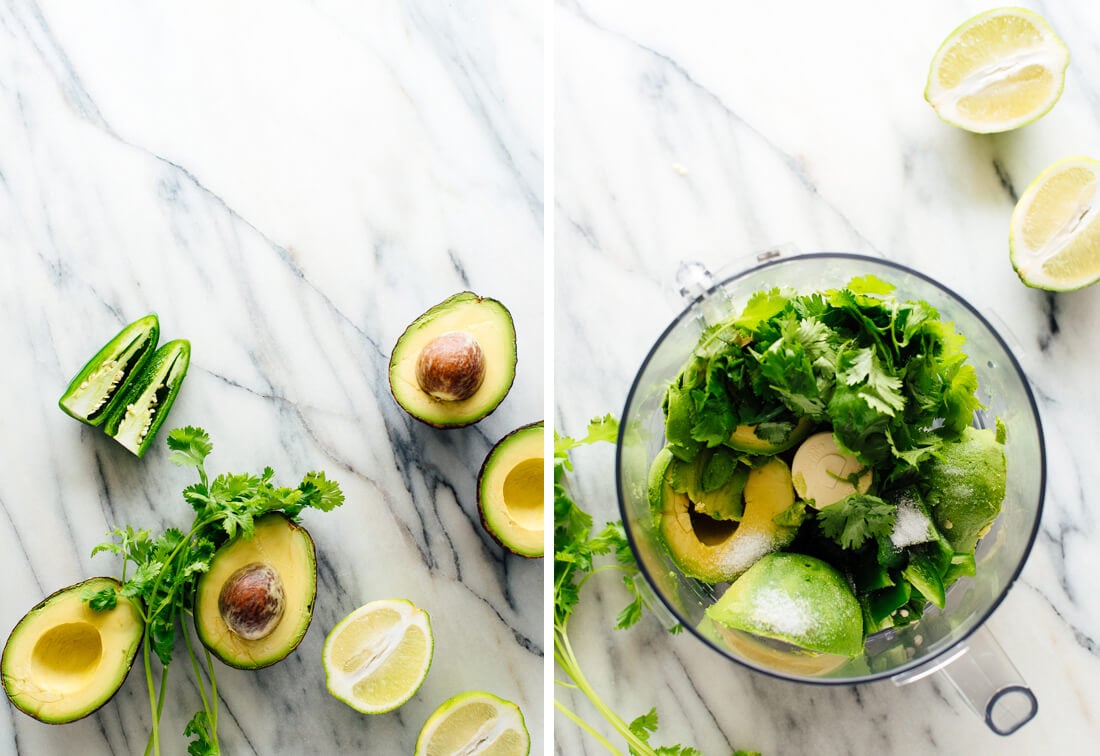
510	491
64	659
455	363
254	605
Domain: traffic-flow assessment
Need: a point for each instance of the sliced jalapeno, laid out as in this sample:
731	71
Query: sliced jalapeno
96	390
148	397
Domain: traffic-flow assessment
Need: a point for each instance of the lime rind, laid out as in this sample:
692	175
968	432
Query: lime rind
1051	54
475	716
383	663
1069	260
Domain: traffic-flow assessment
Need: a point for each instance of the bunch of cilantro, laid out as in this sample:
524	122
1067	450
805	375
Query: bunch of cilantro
576	549
890	377
165	569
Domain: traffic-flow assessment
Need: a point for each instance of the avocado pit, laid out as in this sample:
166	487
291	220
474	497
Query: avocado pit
451	367
252	601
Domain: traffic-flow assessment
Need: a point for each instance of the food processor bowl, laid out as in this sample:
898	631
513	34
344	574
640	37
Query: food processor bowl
952	640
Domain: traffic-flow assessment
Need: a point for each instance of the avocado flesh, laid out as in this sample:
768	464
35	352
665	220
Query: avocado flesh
716	551
288	549
510	491
795	599
490	323
745	438
966	486
64	659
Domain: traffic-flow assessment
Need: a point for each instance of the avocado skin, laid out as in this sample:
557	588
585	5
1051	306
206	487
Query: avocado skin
965	485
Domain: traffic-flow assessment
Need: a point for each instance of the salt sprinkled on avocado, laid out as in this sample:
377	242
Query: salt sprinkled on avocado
747	550
780	612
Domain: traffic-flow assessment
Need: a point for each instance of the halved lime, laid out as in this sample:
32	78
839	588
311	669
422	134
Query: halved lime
475	722
1054	235
376	658
999	70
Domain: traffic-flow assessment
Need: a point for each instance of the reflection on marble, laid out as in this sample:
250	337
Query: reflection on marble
714	130
287	185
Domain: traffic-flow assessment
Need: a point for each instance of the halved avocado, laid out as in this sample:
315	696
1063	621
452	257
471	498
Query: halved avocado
455	363
254	605
64	659
795	599
714	550
510	491
965	486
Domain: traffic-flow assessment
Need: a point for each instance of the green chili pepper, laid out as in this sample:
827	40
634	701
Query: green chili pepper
148	397
96	390
884	602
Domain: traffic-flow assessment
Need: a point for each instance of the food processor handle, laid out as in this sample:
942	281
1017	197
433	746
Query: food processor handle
696	282
982	673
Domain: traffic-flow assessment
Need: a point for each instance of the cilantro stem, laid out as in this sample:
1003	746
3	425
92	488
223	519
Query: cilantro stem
213	695
198	673
586	727
567	660
154	735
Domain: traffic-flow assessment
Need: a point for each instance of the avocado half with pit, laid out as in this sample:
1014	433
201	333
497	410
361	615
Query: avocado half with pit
455	363
719	550
64	659
510	491
254	605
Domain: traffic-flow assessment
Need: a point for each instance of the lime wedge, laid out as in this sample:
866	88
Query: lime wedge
1054	236
376	658
999	70
474	722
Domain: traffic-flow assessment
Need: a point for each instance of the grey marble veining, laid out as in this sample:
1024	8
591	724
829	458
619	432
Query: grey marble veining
287	185
715	130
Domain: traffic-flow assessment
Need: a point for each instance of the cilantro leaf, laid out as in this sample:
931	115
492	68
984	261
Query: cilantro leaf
190	446
856	518
102	600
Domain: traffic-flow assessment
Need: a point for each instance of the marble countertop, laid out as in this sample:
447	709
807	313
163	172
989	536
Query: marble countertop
287	185
716	130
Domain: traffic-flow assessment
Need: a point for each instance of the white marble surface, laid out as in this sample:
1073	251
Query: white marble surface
708	130
287	184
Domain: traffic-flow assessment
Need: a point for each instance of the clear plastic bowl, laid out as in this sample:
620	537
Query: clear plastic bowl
951	640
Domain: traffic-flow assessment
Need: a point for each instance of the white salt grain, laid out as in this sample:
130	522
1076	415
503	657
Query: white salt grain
778	611
911	525
747	549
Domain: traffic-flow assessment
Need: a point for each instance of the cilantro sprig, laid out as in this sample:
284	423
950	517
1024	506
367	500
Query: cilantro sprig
162	571
889	376
854	519
576	552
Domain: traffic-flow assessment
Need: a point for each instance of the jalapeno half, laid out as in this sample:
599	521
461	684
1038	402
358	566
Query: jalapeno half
96	390
148	397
